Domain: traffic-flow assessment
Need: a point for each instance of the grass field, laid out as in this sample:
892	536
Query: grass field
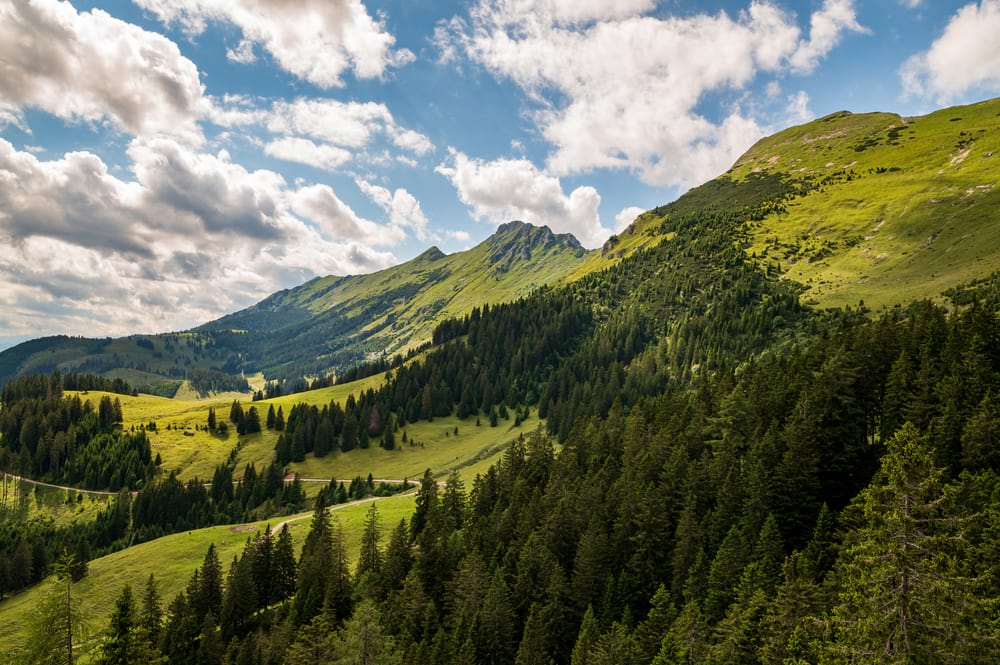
172	559
437	448
40	502
186	447
916	216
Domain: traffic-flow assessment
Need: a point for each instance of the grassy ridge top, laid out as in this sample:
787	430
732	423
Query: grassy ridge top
343	319
886	209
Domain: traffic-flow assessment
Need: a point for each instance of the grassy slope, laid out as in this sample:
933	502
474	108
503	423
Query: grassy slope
176	558
472	451
401	305
921	214
917	215
36	501
194	452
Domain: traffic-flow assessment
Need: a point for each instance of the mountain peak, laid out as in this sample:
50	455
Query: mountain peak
519	241
431	254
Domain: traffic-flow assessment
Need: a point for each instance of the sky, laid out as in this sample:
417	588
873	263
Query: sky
164	162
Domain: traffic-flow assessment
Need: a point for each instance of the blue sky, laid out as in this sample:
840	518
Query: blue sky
163	162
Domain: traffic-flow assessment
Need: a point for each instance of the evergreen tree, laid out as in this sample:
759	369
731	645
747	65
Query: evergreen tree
284	568
363	641
57	624
240	599
398	558
207	595
370	561
314	568
151	614
902	599
125	643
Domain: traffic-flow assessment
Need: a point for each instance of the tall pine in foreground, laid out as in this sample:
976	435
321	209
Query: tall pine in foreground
903	598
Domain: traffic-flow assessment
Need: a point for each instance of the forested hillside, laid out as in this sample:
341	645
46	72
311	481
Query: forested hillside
727	474
322	328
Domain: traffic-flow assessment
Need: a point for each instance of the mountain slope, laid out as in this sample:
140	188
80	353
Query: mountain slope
344	320
876	207
327	324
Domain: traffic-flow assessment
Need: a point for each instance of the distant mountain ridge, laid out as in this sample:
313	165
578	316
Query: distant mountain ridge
327	324
868	207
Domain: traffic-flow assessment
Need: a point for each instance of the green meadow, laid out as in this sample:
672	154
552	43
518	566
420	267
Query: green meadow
172	560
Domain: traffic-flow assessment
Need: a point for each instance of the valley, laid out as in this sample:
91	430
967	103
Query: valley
706	442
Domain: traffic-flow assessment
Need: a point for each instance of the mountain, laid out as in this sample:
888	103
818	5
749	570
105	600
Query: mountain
737	470
877	207
869	207
327	324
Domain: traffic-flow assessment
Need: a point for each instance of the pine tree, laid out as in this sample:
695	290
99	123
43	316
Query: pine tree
314	568
151	614
339	593
208	593
398	558
240	599
57	624
901	598
370	561
363	641
284	568
125	642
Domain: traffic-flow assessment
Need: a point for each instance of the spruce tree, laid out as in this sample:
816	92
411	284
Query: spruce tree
902	599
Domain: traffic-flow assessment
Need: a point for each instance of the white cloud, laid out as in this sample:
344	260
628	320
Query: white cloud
315	40
403	208
626	216
348	124
320	203
797	111
508	189
965	57
460	236
637	107
826	27
243	53
323	132
304	151
91	253
92	67
410	140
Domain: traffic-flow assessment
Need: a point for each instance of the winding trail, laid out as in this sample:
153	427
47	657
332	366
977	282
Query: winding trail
59	487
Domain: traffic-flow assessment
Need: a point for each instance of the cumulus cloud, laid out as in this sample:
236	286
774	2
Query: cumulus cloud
403	208
965	57
92	67
315	40
626	216
91	250
637	108
825	28
506	189
304	151
460	236
320	203
797	111
325	133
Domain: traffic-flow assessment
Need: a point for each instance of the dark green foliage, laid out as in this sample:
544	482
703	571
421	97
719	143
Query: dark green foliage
66	440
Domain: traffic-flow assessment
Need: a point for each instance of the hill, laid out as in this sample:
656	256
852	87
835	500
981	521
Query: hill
875	206
325	325
342	321
738	469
